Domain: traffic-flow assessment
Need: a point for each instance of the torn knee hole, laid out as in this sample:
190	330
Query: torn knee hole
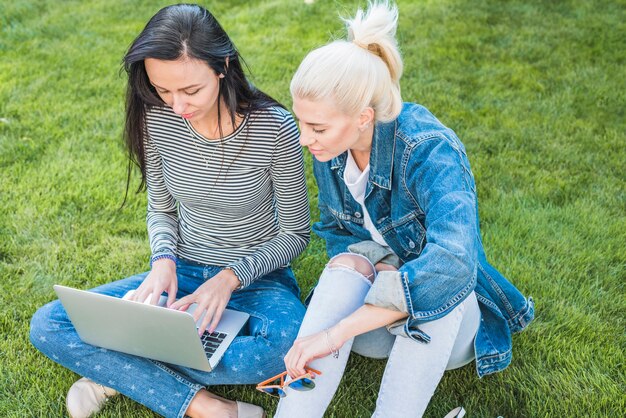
357	263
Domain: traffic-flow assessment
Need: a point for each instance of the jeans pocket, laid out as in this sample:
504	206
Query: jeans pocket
257	323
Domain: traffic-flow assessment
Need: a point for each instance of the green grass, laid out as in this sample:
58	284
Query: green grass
534	89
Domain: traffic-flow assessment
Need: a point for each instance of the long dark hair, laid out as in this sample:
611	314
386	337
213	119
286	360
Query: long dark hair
177	31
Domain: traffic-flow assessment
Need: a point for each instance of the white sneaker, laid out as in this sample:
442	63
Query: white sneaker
247	410
458	412
87	397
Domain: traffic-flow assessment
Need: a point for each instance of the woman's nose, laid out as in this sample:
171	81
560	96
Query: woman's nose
306	139
178	104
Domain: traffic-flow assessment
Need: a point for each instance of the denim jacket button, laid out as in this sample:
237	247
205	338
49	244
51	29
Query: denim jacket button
357	214
411	244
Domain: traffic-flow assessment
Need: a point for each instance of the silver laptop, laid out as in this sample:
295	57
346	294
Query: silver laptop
147	330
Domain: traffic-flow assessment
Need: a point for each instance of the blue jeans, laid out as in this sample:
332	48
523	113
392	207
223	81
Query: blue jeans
256	354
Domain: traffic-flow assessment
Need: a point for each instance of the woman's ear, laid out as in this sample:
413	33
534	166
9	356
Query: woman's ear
226	61
366	118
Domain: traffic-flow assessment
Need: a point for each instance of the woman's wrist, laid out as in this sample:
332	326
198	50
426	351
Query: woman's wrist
231	279
334	351
339	333
163	263
380	266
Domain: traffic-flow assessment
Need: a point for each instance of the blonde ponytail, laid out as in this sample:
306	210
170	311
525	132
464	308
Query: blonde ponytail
362	71
376	32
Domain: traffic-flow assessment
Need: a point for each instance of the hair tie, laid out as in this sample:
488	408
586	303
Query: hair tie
374	48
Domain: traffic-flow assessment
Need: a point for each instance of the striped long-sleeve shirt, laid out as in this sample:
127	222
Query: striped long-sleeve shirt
239	202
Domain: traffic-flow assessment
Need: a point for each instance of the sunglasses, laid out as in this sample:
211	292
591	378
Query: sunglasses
301	383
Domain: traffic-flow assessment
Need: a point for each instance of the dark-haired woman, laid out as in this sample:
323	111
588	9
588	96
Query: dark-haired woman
227	212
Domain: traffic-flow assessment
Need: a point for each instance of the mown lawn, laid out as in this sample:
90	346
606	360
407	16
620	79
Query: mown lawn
535	89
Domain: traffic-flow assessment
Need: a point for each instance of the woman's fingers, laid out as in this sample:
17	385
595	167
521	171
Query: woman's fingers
147	294
290	359
171	294
303	361
183	302
211	310
217	316
183	308
139	294
155	283
303	351
155	296
298	357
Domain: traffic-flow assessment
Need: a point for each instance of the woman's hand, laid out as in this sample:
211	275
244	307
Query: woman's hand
212	297
309	348
162	278
384	267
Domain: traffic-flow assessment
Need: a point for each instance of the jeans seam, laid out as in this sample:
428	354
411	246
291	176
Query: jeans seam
382	392
175	375
193	387
192	393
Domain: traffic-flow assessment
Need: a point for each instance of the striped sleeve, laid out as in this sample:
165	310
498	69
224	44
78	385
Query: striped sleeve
292	209
161	219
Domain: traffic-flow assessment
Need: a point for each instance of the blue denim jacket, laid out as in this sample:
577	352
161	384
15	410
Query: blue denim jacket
421	197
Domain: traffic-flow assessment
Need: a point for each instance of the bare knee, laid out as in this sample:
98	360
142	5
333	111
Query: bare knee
355	262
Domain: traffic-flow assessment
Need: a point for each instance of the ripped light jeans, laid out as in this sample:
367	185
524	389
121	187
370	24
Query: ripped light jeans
413	369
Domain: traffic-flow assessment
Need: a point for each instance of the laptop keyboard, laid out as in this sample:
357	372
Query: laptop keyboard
211	341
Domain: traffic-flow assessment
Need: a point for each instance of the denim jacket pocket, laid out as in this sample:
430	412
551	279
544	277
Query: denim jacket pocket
337	217
411	235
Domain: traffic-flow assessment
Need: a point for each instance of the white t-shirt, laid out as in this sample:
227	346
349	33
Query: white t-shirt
356	181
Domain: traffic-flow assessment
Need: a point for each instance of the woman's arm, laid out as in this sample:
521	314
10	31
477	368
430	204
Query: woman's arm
322	344
364	319
162	215
438	178
162	222
292	207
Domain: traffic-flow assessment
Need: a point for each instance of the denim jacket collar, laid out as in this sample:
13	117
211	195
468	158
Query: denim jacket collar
381	157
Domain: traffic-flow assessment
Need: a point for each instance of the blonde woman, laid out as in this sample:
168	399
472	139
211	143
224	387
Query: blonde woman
408	279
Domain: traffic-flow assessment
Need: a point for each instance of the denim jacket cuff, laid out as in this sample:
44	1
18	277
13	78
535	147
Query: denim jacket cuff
388	291
375	253
405	328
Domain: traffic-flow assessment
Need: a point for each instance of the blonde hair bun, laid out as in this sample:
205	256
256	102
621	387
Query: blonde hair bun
360	71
